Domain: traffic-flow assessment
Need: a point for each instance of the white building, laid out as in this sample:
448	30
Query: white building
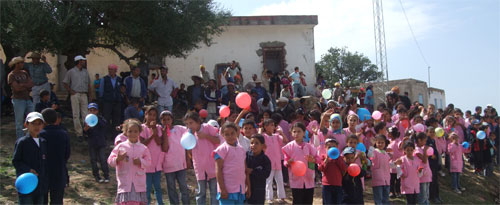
274	42
437	97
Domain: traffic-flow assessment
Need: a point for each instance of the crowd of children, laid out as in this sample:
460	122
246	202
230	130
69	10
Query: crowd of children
403	152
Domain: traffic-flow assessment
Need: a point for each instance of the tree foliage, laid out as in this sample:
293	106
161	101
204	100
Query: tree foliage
154	29
350	69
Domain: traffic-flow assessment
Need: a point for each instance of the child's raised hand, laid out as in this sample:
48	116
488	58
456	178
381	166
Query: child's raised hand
202	135
34	172
137	162
121	157
310	158
86	127
398	162
152	124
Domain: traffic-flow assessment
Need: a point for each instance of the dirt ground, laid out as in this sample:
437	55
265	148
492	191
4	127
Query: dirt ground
84	190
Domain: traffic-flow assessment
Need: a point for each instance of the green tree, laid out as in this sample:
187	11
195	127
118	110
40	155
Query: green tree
350	69
154	29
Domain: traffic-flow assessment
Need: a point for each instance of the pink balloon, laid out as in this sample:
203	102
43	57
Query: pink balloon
430	151
419	127
243	100
203	113
224	111
377	115
299	168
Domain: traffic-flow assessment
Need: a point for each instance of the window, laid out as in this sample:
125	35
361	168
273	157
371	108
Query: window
420	98
435	101
441	103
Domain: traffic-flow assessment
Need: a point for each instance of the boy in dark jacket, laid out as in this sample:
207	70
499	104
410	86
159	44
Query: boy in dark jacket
58	152
434	165
30	155
352	186
97	144
333	170
259	168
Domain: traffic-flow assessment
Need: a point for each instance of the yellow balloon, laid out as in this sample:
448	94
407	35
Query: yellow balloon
439	132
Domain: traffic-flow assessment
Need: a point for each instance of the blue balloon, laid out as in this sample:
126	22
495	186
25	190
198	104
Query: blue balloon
364	114
26	183
333	153
188	141
91	120
465	145
361	147
306	138
481	135
241	123
141	113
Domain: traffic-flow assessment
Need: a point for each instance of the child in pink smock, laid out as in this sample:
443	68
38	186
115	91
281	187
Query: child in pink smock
380	169
232	180
131	158
274	142
396	153
410	169
426	178
456	162
295	151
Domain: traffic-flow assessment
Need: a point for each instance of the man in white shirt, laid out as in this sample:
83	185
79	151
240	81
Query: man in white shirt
165	88
297	86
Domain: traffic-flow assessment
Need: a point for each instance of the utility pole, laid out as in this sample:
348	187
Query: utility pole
380	48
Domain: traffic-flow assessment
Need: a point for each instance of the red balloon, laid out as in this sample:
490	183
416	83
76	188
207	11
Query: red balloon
224	111
299	168
354	169
243	100
405	123
203	113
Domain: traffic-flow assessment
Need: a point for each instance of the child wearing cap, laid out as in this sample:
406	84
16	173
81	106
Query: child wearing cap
96	137
333	170
30	155
352	186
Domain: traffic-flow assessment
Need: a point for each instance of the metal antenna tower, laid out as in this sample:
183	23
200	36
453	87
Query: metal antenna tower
380	49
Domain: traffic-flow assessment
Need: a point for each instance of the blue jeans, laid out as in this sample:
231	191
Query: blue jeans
455	180
423	196
21	109
332	194
173	197
154	179
201	194
381	194
298	90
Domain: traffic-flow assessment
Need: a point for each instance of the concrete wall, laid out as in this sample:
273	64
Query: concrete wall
437	97
412	86
240	43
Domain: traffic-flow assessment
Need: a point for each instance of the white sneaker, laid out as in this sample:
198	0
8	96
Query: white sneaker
106	181
457	191
462	189
101	180
442	173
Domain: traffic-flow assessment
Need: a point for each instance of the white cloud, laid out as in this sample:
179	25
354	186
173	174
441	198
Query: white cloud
350	23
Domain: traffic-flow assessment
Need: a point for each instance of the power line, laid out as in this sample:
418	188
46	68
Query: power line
413	35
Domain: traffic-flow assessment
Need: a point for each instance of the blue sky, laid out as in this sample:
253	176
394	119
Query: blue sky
460	39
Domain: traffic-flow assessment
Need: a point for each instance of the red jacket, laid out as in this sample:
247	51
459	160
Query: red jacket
332	171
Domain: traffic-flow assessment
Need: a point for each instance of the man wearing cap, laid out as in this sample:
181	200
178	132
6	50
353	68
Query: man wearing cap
21	84
337	91
109	95
77	83
165	88
285	108
38	72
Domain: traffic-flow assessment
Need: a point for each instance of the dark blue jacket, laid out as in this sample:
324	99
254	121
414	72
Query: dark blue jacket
58	152
128	85
27	156
97	134
111	94
261	166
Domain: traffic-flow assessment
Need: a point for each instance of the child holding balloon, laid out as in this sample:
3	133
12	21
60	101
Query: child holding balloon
96	138
232	179
423	152
333	168
409	170
456	162
298	153
207	139
151	136
174	162
434	165
381	161
351	181
273	143
335	130
131	158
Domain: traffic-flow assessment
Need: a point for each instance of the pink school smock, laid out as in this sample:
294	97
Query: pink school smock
427	173
456	161
126	172
381	170
298	152
157	155
340	136
396	152
410	183
233	168
175	158
348	132
203	162
273	150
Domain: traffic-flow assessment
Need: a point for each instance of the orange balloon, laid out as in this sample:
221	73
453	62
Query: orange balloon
299	168
224	111
354	169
